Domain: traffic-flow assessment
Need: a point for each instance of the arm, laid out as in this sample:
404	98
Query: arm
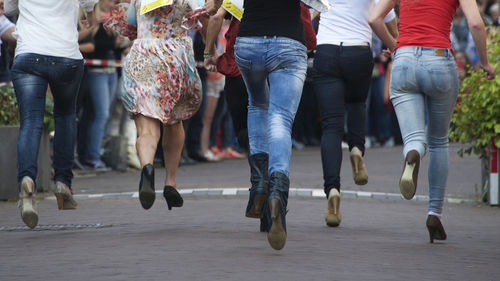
88	47
392	26
88	8
476	28
376	20
212	6
213	30
7	35
11	8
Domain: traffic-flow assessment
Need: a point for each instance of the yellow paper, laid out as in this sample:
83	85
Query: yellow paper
149	5
234	7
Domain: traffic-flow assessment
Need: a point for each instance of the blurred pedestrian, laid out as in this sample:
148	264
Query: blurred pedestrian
424	87
46	54
101	81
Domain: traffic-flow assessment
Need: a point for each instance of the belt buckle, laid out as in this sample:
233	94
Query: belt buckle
439	52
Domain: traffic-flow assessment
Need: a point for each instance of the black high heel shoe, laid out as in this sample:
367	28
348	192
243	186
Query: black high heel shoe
147	186
436	229
173	198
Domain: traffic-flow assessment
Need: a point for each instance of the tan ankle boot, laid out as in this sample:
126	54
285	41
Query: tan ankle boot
333	216
64	197
27	203
359	173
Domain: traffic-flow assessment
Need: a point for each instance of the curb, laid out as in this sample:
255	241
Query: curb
293	192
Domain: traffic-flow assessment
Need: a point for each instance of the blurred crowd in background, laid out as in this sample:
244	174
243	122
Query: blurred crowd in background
106	134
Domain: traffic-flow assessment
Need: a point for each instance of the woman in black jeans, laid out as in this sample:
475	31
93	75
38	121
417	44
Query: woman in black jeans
343	66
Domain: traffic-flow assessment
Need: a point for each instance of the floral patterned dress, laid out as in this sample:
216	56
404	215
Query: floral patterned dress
160	78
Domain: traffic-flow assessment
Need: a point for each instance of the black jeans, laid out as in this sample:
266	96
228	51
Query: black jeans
342	78
237	103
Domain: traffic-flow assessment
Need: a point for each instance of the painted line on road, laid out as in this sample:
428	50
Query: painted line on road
293	192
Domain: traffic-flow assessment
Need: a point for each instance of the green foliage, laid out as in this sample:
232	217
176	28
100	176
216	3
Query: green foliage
476	118
8	106
9	115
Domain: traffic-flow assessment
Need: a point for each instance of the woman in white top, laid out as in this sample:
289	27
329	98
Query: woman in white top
343	66
46	54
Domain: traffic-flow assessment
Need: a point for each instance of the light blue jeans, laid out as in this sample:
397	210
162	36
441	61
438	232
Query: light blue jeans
274	70
102	87
424	87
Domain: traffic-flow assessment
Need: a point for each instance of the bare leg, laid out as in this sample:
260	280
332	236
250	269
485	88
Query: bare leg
148	130
173	141
208	115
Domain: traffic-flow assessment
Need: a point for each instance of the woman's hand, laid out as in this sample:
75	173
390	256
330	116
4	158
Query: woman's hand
490	71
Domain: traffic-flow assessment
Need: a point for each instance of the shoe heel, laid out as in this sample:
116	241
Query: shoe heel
60	200
277	235
173	198
432	232
359	173
435	228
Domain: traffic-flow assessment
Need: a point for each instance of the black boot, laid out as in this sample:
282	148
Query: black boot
147	186
277	200
260	181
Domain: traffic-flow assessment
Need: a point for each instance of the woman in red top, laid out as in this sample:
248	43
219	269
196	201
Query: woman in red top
424	87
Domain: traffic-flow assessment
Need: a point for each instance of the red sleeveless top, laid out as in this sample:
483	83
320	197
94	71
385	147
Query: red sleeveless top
426	23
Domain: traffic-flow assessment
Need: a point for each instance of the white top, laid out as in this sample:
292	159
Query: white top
347	21
48	27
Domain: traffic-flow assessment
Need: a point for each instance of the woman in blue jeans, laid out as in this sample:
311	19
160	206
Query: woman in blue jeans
424	86
44	57
101	84
271	55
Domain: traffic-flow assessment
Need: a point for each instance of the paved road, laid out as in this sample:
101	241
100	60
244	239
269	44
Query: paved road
210	239
384	168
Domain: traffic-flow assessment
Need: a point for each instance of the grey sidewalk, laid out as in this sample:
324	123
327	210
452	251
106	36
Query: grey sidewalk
210	239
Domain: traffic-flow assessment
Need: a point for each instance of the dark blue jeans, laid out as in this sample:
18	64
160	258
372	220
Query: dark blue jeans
31	75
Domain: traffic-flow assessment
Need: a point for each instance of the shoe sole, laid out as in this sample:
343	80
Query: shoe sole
28	214
257	207
331	219
147	195
276	235
359	173
147	198
406	184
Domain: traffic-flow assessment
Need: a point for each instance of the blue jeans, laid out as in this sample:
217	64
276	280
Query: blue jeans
424	84
31	75
101	90
274	70
378	123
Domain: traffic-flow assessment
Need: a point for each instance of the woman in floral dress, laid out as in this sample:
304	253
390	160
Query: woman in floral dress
161	85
